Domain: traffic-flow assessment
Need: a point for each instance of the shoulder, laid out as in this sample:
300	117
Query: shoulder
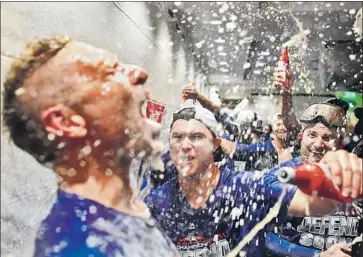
161	194
238	180
60	236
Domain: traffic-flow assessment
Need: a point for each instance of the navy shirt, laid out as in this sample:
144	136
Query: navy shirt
238	202
81	227
307	236
258	156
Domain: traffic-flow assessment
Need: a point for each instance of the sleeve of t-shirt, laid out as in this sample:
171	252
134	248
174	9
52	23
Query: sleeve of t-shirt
274	189
150	201
243	152
264	189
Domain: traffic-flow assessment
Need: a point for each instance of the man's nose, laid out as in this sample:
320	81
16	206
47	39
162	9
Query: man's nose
186	144
319	143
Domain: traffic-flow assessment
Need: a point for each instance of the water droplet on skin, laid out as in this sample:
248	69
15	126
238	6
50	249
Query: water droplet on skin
19	91
86	150
199	200
82	163
97	143
108	172
71	172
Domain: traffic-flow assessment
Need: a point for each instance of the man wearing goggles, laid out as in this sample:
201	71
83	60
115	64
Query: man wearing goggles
207	210
320	130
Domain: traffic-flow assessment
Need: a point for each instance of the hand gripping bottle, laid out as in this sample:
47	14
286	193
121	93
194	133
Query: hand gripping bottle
184	98
313	179
283	63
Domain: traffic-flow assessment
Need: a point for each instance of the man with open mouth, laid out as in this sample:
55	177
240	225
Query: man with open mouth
77	109
322	130
207	211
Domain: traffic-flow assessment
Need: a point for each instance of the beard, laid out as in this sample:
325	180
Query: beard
312	155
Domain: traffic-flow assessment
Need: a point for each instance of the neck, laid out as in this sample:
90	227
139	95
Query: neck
198	189
99	178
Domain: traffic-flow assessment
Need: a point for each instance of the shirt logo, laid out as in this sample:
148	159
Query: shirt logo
191	226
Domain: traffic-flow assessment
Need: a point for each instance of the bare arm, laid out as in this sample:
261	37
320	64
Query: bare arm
287	108
191	92
288	113
208	104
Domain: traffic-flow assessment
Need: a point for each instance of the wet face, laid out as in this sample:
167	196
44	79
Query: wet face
191	147
279	130
107	94
317	139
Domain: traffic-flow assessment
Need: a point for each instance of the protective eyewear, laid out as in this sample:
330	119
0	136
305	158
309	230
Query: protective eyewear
326	113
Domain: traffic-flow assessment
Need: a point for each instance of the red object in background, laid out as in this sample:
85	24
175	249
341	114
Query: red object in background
155	111
283	62
313	179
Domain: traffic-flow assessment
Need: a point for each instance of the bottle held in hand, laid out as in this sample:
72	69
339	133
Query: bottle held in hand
313	179
283	64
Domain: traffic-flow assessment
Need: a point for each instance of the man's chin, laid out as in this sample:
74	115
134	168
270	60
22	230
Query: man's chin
186	171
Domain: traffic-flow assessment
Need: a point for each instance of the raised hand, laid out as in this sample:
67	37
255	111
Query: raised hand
283	79
190	91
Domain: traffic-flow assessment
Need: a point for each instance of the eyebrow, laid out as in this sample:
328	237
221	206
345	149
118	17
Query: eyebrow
189	134
325	134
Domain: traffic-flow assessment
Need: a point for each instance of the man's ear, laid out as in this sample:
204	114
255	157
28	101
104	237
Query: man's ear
217	143
56	121
299	135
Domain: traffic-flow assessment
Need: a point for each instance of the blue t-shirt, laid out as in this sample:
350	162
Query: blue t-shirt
239	201
258	156
79	227
307	236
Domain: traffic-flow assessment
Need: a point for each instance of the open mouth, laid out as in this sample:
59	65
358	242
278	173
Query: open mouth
185	160
317	155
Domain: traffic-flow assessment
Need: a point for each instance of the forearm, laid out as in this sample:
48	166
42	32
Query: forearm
208	104
305	205
288	112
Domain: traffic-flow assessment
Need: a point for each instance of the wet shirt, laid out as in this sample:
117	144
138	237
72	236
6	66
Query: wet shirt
81	227
238	202
258	156
307	236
